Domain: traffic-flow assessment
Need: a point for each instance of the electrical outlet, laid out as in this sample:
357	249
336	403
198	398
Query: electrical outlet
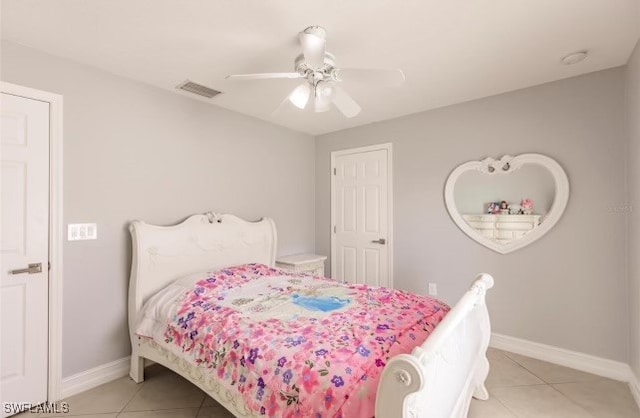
433	289
81	232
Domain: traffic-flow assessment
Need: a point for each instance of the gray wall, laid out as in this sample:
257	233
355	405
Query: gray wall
567	289
633	124
137	152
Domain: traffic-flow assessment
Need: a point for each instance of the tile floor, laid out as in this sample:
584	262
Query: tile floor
520	387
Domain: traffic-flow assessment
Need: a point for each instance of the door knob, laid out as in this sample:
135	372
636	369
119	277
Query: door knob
31	269
379	241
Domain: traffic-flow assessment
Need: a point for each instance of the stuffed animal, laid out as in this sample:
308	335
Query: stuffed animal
504	208
493	208
527	206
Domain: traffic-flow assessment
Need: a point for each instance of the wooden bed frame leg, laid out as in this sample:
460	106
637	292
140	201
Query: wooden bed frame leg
137	368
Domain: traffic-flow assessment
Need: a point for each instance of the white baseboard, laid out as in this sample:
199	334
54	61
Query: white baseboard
580	361
97	376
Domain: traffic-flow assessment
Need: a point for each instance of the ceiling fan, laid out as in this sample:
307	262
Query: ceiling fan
322	76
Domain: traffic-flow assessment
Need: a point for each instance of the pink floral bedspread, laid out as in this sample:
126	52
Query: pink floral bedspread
297	346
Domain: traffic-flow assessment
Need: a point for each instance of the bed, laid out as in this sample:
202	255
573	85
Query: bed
434	377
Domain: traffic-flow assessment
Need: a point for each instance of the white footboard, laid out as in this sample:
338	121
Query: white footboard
439	378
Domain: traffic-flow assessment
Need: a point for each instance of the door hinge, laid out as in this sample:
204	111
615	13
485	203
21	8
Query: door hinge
334	171
334	229
48	265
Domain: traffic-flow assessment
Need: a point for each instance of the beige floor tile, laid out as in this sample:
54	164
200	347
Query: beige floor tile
211	408
164	389
491	408
165	413
217	411
552	373
540	401
155	370
209	401
94	416
506	372
108	398
603	398
495	354
28	414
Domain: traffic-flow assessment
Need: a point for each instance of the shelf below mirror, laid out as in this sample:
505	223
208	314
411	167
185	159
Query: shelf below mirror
503	228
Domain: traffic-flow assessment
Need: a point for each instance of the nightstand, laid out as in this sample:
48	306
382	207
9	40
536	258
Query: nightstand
305	263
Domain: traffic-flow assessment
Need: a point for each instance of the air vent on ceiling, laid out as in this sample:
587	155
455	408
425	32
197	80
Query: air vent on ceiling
198	89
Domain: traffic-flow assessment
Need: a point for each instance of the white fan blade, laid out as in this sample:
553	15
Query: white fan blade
345	103
313	49
299	97
281	106
371	76
323	96
263	76
296	97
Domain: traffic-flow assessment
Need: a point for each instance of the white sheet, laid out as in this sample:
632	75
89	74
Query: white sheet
157	311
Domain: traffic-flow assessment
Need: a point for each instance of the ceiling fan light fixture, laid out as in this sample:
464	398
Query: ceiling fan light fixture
299	97
323	78
322	104
326	91
323	96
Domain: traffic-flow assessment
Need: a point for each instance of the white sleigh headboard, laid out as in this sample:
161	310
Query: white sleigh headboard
202	242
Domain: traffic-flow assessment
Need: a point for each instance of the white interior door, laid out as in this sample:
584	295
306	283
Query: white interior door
361	214
24	156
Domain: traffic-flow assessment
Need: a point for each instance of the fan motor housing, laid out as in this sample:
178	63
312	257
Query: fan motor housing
327	69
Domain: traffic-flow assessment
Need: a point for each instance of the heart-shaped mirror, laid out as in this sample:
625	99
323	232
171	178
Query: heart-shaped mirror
509	203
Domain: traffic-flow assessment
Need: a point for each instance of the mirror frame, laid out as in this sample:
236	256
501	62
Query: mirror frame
504	166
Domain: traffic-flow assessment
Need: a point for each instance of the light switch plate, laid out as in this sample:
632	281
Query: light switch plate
433	289
81	232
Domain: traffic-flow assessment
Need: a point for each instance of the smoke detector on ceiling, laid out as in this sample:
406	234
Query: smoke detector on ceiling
575	57
198	89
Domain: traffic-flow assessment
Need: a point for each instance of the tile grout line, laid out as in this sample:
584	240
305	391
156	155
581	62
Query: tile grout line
545	384
525	369
505	406
134	395
201	404
597	379
572	401
548	385
517	386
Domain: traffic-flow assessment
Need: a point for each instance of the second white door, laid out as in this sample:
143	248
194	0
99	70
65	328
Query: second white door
361	216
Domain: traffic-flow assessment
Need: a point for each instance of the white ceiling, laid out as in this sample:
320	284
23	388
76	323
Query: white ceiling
450	50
